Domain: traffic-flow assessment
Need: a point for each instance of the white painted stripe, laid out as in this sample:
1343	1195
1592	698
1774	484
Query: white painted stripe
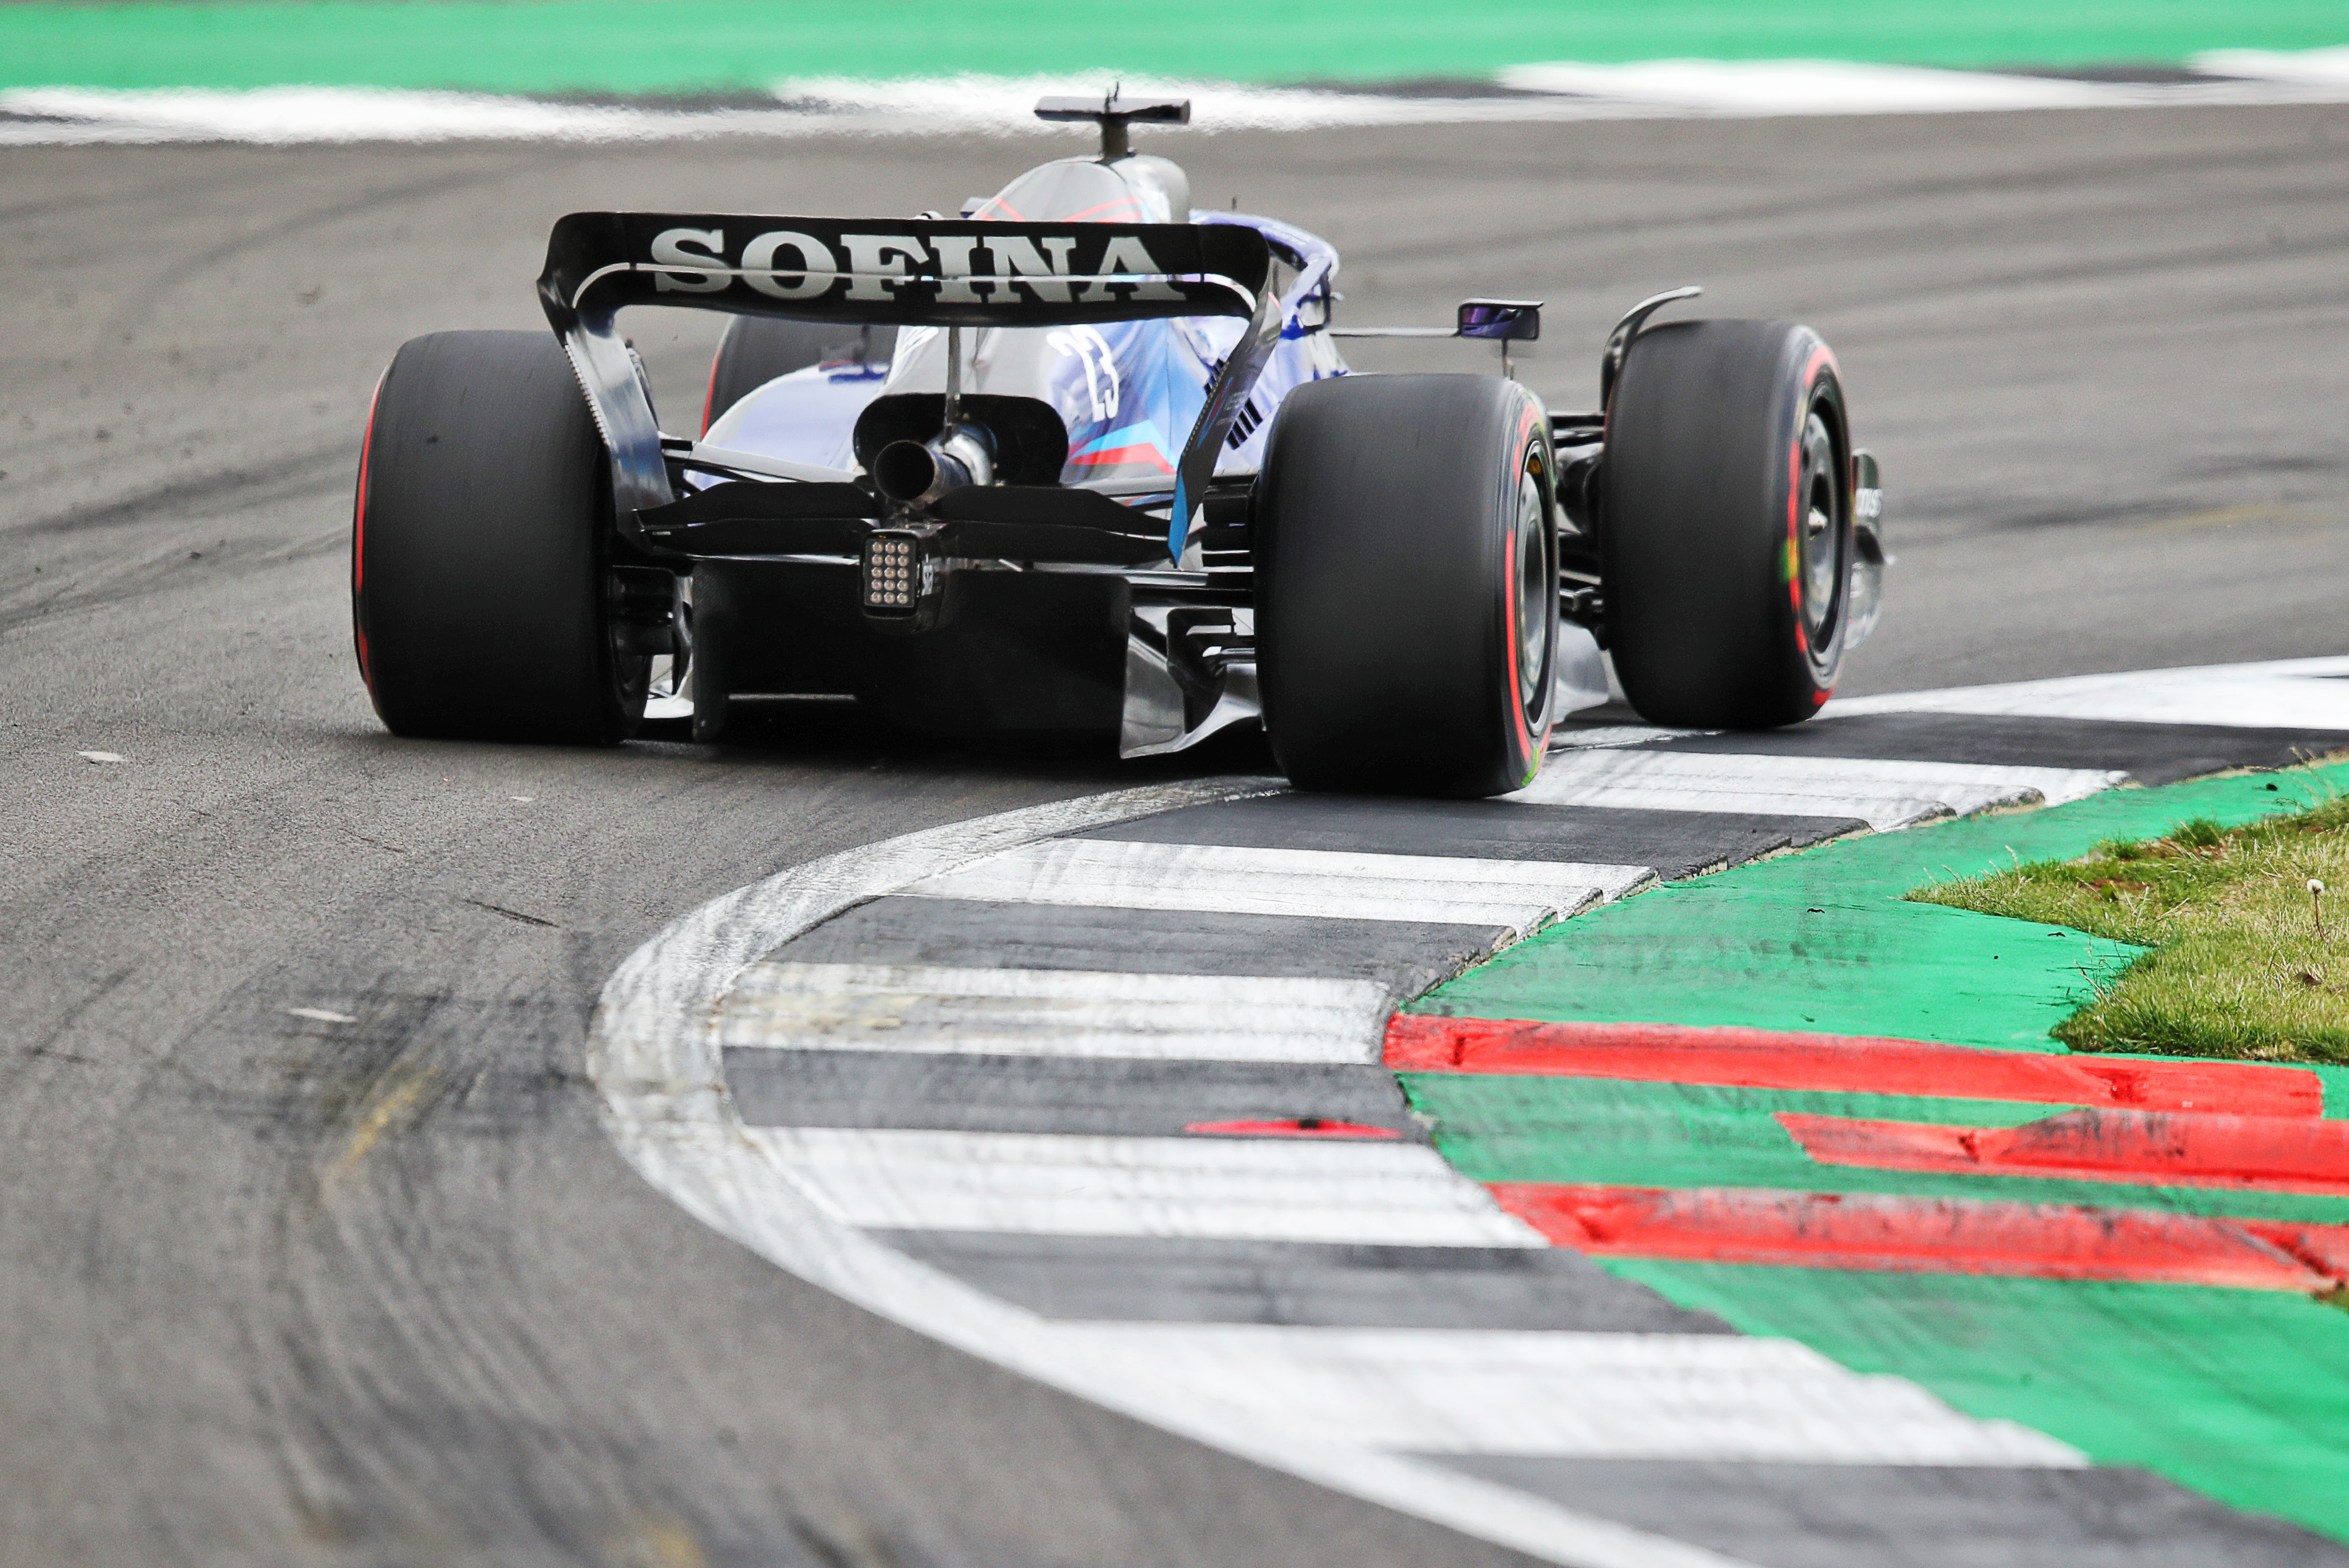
1884	794
1807	86
1054	1013
2327	66
965	105
1211	879
1067	1185
652	1055
2297	696
1736	89
1588	1395
962	105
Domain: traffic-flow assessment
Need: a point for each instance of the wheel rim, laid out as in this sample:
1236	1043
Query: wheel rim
1823	535
1536	598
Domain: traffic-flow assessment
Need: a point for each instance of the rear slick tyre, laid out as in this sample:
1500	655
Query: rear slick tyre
1725	525
1406	576
480	584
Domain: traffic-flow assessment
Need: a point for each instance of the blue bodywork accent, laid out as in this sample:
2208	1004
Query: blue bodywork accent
1178	522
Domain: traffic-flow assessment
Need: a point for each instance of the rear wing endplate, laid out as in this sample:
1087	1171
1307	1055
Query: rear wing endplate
900	272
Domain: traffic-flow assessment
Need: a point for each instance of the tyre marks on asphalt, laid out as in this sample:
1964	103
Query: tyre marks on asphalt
1104	1107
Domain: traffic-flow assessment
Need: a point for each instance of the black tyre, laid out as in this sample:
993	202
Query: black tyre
1725	523
1406	571
481	590
758	348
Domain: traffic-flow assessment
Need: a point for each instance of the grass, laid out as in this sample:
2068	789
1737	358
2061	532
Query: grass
2238	967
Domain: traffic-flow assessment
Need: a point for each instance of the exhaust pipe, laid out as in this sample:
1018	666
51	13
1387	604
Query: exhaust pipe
916	473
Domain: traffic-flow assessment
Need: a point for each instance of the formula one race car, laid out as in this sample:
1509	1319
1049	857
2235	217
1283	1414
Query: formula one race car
1084	460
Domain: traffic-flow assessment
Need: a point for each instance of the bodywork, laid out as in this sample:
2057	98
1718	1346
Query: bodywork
1118	358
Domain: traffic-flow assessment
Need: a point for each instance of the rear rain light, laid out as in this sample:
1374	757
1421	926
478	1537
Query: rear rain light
896	572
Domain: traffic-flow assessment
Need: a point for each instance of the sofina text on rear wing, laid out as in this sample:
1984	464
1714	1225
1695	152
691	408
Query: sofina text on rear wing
893	271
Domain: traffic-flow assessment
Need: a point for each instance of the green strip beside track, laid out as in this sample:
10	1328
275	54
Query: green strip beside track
681	46
1824	941
1775	957
2242	1395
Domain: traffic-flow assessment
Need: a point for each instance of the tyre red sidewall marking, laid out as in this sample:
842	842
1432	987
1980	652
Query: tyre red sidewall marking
1509	638
1821	357
1529	749
358	539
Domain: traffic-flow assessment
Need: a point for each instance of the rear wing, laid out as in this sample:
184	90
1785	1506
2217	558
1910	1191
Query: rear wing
902	271
906	272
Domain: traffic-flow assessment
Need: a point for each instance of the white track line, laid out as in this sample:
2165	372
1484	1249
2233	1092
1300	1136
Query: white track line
1596	1395
1884	794
2294	694
1348	1409
1112	874
653	1054
961	106
1740	87
1054	1013
998	105
1058	1184
1330	1405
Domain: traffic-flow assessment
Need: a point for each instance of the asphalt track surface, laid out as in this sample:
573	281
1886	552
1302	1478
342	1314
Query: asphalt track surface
276	1290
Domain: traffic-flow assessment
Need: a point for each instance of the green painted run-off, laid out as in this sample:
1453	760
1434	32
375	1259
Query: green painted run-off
670	46
2242	1395
1824	941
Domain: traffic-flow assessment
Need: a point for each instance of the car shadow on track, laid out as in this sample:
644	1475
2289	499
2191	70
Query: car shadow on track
838	734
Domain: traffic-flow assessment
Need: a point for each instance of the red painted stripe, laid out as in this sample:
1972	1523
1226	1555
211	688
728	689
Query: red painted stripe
1915	1235
1774	1059
1296	1126
2274	1154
